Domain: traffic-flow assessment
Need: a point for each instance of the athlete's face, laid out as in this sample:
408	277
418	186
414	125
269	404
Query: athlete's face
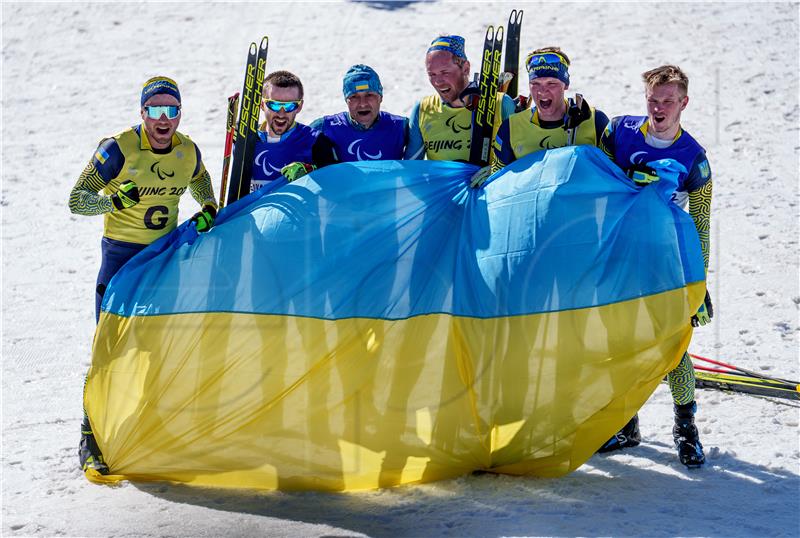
159	131
665	103
280	122
548	96
364	107
446	76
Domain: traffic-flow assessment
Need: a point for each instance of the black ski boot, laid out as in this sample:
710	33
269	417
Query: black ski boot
628	436
687	439
88	452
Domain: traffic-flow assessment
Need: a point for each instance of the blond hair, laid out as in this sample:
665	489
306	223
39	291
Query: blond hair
666	74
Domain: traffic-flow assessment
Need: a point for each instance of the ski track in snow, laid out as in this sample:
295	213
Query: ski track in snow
71	74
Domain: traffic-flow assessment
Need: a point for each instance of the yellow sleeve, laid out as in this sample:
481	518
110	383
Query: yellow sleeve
85	197
700	210
202	189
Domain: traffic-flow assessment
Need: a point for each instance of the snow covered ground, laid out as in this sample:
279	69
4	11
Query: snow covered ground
71	74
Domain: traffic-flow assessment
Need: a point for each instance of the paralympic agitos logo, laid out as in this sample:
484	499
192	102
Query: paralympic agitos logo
451	122
544	143
162	175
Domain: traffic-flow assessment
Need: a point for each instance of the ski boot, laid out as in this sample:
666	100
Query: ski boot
628	436
687	439
88	452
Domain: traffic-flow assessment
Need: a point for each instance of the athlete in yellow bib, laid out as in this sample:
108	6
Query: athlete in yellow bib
142	172
440	125
554	121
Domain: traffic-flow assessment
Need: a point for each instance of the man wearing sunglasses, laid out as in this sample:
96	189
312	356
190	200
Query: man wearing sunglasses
635	143
286	148
364	132
142	172
554	121
441	124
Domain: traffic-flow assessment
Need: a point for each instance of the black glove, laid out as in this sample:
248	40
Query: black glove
578	111
470	96
204	219
126	196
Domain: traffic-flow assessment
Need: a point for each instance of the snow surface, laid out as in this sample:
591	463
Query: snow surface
71	74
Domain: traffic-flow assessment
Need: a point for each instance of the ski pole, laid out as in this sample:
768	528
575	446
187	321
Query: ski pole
230	133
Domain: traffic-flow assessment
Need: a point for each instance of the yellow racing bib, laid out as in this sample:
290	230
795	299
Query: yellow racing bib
161	179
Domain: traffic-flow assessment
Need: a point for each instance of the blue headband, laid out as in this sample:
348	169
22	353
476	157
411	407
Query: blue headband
450	43
361	78
159	85
548	64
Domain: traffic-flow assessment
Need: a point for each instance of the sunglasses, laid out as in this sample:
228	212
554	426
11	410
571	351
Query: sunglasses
155	112
545	58
287	106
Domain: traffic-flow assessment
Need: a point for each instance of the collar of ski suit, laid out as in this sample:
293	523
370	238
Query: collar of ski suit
358	127
535	116
144	143
646	123
263	132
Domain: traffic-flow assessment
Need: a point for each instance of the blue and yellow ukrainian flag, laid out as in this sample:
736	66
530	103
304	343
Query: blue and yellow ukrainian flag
380	323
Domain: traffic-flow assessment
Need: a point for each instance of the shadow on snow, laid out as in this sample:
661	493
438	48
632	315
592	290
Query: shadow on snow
608	496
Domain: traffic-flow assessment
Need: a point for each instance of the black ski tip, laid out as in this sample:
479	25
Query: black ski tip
264	42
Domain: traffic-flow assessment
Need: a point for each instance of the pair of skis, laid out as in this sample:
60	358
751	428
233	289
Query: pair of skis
490	81
729	378
241	130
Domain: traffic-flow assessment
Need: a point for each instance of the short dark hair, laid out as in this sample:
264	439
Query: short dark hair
283	79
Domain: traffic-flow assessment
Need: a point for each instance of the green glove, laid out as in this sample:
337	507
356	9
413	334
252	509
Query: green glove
641	174
204	219
296	170
480	177
704	313
126	196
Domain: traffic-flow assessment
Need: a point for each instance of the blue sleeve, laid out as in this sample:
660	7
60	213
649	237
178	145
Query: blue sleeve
502	145
508	107
317	123
607	139
415	149
199	164
108	159
699	173
600	124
